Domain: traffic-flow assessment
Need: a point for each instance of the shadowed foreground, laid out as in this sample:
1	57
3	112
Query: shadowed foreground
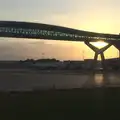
97	103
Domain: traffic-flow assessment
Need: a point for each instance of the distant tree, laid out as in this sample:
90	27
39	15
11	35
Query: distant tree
47	60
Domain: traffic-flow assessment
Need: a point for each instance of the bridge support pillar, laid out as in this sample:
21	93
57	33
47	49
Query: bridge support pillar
117	45
98	52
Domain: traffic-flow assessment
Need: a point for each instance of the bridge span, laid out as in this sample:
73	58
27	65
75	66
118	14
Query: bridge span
45	31
16	29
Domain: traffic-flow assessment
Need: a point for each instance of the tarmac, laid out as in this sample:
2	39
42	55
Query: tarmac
29	80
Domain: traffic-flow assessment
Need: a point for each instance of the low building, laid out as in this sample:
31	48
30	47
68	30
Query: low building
73	64
46	65
113	63
88	63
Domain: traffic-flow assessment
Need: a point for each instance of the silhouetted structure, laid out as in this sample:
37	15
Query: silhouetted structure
52	32
97	52
113	63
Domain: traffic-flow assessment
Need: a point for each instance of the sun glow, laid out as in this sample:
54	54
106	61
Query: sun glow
99	44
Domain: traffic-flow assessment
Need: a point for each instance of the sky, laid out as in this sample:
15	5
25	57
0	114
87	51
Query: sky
91	15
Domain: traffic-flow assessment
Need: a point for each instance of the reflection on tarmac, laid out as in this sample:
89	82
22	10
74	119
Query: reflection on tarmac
99	79
96	80
32	80
103	80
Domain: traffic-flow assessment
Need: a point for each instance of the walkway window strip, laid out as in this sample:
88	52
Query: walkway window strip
34	32
39	32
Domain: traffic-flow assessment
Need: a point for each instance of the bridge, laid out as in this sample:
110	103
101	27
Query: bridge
16	29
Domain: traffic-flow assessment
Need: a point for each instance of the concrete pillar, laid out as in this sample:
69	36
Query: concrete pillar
97	52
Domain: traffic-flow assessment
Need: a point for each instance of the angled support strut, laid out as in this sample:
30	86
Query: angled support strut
97	52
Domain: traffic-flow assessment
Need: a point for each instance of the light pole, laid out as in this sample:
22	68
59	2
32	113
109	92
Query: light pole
83	54
43	55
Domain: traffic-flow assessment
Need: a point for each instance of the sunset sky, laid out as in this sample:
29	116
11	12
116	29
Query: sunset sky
91	15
